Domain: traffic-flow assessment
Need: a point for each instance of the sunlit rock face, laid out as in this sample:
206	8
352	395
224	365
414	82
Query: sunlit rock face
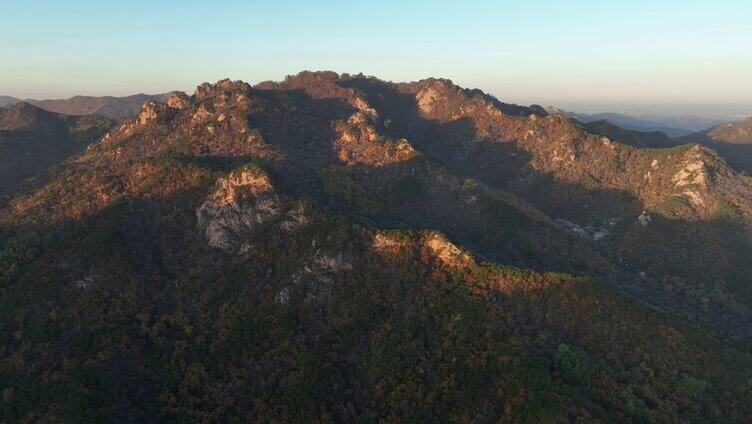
242	201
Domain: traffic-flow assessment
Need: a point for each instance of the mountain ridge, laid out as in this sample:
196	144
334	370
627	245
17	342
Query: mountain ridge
554	164
33	139
733	140
223	242
112	107
672	126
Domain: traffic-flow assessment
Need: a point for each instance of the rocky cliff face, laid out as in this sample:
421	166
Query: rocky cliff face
241	203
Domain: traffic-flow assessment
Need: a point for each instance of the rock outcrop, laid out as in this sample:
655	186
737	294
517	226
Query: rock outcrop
438	246
241	202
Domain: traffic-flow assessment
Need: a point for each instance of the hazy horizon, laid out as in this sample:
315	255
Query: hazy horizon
668	59
646	110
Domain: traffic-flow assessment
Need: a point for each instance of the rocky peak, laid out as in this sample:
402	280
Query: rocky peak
178	100
438	84
221	88
441	99
229	85
247	182
243	202
360	142
324	85
204	90
694	168
240	202
312	77
432	245
434	92
148	112
153	113
700	176
711	159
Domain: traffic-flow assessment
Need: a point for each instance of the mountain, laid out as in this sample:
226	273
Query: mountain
673	126
689	193
32	140
339	248
8	101
691	123
631	137
730	132
107	106
733	140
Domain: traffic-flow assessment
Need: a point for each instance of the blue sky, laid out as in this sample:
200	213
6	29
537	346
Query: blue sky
650	56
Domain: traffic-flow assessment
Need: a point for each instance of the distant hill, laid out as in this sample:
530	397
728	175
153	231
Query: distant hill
8	101
33	139
733	140
107	106
673	127
730	132
631	137
691	123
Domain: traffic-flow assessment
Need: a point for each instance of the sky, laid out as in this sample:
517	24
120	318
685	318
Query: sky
662	56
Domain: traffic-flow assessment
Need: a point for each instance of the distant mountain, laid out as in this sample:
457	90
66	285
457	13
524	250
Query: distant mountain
8	101
691	123
631	137
733	140
33	139
731	132
107	106
673	127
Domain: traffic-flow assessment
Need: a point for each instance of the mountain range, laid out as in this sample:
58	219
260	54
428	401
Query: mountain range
334	247
671	126
732	140
107	106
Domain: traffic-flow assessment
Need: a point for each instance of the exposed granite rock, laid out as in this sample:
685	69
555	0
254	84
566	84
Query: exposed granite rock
389	245
148	112
178	100
242	202
426	98
360	142
644	218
